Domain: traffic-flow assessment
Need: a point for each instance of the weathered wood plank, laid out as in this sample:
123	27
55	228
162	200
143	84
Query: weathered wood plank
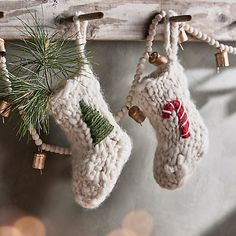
123	20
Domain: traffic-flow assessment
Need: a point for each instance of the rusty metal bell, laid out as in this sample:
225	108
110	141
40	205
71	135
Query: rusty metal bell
157	59
222	59
136	114
39	161
5	108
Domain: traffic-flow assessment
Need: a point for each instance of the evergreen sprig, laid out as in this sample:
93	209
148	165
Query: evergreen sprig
42	61
50	56
31	97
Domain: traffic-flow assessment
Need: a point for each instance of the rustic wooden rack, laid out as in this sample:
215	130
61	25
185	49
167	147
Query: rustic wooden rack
123	20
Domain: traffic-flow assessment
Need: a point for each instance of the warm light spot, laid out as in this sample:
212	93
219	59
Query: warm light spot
9	231
140	222
9	214
121	232
30	226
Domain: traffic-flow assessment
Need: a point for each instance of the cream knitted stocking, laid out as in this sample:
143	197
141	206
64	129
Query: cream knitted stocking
98	153
165	99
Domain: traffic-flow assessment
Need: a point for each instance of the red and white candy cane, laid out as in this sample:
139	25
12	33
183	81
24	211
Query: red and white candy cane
176	105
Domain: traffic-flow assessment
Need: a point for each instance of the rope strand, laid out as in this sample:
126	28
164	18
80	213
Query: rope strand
208	39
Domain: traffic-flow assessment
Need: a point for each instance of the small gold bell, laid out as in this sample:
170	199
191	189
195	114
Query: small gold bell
136	114
39	161
5	108
156	59
183	37
222	59
2	47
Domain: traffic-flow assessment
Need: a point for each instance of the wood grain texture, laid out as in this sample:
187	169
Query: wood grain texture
123	20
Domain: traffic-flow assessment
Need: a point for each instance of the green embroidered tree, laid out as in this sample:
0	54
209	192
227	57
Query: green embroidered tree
99	126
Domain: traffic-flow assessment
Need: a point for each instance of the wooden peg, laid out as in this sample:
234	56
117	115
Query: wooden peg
62	19
180	18
1	14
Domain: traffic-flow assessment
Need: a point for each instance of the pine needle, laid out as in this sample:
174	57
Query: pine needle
42	61
31	96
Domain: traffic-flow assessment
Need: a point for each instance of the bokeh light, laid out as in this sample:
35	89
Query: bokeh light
30	226
140	222
9	231
121	232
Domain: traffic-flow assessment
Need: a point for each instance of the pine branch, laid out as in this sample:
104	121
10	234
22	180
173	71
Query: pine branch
40	64
30	96
47	54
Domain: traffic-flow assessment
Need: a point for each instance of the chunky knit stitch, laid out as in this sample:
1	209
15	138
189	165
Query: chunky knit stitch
95	168
177	106
182	135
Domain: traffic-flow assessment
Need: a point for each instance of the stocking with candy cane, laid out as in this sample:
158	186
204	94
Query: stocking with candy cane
100	148
165	99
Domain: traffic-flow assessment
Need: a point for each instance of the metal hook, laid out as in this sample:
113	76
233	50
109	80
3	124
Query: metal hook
62	19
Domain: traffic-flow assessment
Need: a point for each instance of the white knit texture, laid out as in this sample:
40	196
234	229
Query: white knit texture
175	157
4	74
95	169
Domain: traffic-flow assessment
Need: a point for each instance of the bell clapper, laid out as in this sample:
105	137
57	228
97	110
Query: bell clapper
181	46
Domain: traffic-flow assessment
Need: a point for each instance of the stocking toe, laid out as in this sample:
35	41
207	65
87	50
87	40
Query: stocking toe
95	174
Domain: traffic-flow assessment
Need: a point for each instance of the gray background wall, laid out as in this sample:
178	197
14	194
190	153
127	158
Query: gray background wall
205	206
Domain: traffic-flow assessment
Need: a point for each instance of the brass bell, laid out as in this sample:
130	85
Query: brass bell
157	59
222	59
39	161
183	37
136	114
5	108
2	47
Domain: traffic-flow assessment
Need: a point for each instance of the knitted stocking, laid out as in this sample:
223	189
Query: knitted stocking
100	148
165	99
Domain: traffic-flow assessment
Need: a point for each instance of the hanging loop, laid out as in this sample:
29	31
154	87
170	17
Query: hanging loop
171	36
178	18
